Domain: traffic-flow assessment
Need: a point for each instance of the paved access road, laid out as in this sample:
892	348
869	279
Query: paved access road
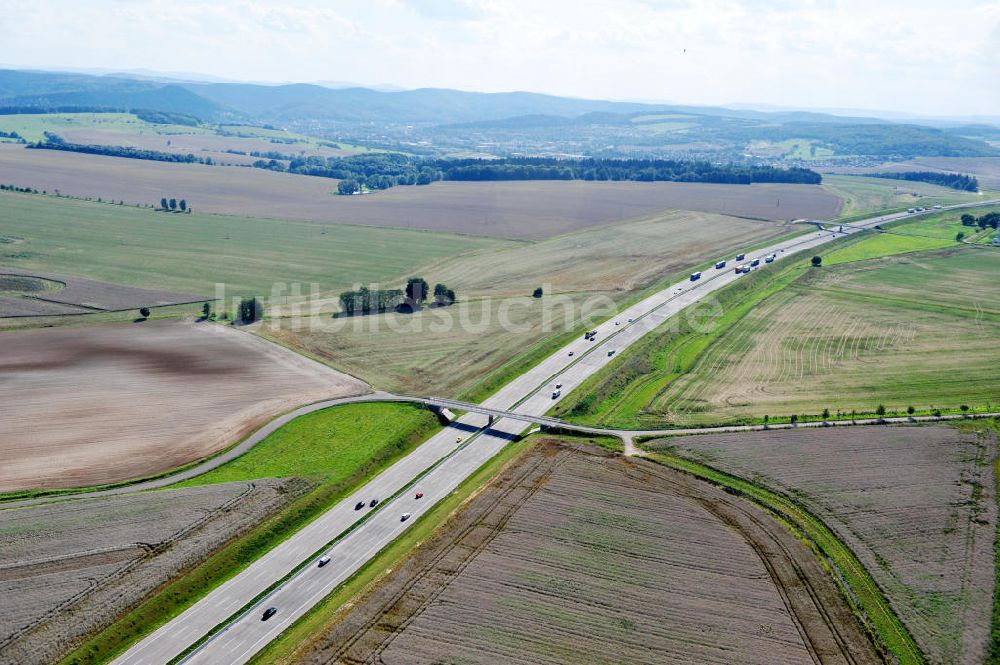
439	466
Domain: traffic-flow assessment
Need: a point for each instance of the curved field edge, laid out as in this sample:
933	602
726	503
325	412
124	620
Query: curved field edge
416	424
314	623
862	592
60	493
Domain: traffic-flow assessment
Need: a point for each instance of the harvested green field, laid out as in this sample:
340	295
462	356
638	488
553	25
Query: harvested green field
914	235
902	331
986	169
32	126
531	210
140	247
585	274
915	504
618	257
862	194
441	351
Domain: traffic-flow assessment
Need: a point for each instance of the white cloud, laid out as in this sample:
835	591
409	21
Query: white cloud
908	55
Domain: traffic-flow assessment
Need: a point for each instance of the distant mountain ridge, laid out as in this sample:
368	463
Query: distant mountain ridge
585	125
277	103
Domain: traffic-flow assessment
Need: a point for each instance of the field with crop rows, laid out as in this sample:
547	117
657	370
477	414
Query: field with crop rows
584	274
439	351
915	504
986	169
619	257
194	252
900	332
73	567
526	210
862	194
80	294
574	556
100	404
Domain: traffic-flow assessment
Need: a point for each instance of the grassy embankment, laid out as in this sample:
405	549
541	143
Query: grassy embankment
644	386
337	450
863	593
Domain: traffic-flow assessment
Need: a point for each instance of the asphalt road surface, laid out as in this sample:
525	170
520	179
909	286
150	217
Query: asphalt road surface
439	466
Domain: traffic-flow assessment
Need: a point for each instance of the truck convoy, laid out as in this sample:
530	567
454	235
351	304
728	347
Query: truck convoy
720	265
695	276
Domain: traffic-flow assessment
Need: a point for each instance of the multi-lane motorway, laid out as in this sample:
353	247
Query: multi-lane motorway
436	468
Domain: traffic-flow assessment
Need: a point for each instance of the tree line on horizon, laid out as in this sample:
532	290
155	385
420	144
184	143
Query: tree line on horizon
382	171
959	181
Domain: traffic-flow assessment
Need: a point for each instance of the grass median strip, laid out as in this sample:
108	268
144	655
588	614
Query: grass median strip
861	590
382	446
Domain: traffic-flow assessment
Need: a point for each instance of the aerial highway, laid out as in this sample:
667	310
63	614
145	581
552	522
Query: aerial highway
230	616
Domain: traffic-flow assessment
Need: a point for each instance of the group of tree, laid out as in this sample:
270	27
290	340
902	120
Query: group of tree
370	301
129	152
174	205
965	183
409	299
22	190
381	171
990	219
166	117
9	135
250	310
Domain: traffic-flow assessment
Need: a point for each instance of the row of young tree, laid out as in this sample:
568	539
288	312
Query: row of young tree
55	142
174	205
965	183
990	219
412	298
381	171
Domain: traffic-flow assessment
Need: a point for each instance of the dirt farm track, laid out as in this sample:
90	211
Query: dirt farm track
100	404
530	210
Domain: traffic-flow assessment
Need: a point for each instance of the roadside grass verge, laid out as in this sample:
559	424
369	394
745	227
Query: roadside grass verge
861	590
383	444
330	610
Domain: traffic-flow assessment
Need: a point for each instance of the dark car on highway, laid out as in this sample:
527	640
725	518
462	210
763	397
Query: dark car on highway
359	505
373	503
268	613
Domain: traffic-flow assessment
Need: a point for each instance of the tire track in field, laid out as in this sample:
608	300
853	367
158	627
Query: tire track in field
378	620
828	628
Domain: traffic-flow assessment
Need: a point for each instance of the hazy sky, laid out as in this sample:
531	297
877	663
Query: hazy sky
920	56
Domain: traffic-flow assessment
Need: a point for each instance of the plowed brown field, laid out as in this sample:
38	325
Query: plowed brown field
530	210
75	567
575	556
100	404
915	504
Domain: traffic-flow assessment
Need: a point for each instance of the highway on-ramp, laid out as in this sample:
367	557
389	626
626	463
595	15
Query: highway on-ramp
436	468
